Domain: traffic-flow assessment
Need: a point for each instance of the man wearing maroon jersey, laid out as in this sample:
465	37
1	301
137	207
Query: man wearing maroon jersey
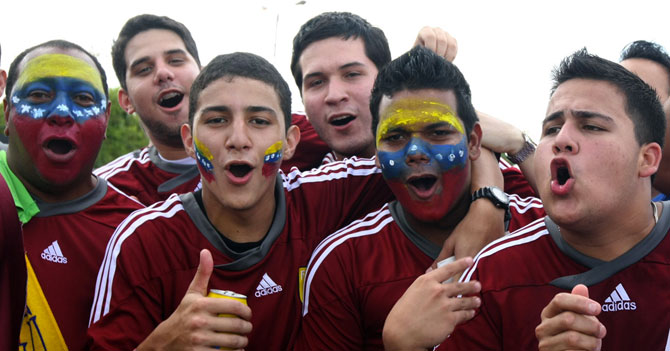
57	110
427	138
594	274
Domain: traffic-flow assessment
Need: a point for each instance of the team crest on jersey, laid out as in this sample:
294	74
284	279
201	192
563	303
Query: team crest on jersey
267	286
619	301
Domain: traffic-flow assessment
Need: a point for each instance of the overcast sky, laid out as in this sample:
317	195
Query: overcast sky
507	49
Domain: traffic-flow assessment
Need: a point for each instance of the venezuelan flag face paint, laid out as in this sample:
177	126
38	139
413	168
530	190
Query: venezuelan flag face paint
204	157
59	114
423	152
272	159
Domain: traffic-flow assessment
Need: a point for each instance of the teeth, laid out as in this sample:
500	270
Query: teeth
169	96
342	117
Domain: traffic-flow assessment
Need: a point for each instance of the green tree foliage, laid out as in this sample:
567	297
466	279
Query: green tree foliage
124	132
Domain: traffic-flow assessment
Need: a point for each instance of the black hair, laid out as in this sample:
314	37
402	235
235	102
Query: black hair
142	23
245	65
344	25
650	51
13	73
421	68
642	104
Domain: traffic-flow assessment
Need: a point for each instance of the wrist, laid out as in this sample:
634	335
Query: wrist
526	150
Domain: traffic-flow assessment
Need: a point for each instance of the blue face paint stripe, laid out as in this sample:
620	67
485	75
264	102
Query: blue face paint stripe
394	166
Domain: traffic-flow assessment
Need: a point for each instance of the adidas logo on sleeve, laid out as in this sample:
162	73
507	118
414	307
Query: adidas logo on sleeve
267	286
619	301
54	254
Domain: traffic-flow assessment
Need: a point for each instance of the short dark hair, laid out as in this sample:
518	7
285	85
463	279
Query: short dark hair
13	73
344	25
245	65
421	68
642	104
142	23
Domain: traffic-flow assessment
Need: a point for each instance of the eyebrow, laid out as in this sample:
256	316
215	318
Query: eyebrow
581	114
224	108
344	66
144	59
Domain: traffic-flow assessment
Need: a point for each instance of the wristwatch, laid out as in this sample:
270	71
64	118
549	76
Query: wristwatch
493	193
527	150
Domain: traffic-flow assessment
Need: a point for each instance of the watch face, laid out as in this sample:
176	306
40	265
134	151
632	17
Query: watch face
500	195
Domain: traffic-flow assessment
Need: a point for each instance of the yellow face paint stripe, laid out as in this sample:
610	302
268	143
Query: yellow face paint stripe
59	65
203	149
411	111
273	148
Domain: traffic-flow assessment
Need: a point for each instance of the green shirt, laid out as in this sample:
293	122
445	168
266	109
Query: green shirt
25	205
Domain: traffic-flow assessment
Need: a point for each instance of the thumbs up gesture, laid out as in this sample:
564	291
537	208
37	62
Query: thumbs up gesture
196	323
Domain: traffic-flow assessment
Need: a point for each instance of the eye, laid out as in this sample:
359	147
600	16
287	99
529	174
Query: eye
259	121
550	130
39	96
84	99
352	74
593	128
176	61
315	83
215	120
394	137
143	70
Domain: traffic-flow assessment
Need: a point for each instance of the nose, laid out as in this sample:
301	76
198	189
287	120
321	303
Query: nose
163	73
337	92
60	114
417	152
238	139
565	141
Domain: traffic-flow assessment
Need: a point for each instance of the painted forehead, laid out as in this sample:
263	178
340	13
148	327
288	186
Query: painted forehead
405	113
59	65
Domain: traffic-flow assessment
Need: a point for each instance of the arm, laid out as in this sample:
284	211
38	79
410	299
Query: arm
430	310
484	222
500	136
439	41
569	322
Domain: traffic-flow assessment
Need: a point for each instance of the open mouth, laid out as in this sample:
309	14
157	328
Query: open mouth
342	120
60	146
562	175
171	99
239	170
423	183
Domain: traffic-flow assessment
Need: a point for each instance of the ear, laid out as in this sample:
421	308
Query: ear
187	139
649	159
475	142
5	110
292	140
3	80
124	101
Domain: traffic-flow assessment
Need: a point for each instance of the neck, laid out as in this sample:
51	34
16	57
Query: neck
169	152
54	194
367	153
240	226
612	236
438	231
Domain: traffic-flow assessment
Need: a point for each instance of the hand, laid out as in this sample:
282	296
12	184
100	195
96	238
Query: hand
569	322
500	136
195	324
484	222
439	41
430	310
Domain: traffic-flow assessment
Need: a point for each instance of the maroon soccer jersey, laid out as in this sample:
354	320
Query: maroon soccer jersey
357	274
521	273
154	255
148	177
310	150
65	244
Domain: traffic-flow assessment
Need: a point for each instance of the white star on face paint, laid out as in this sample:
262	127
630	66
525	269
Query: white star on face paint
391	163
95	109
63	108
25	108
103	103
452	157
88	112
78	113
439	157
15	100
38	112
460	153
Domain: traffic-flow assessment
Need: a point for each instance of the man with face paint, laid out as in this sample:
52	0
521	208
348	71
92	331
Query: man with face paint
256	225
427	137
57	110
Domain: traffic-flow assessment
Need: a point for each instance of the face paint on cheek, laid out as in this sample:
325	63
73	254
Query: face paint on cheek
272	159
204	158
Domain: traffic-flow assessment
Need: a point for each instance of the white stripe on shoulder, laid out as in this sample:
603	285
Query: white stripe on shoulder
531	232
369	225
124	194
105	279
523	204
336	170
122	163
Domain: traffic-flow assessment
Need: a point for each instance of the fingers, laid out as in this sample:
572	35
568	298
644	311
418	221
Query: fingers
569	341
571	302
201	278
581	290
439	41
449	270
446	252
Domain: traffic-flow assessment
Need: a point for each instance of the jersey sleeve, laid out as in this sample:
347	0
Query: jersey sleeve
332	319
515	182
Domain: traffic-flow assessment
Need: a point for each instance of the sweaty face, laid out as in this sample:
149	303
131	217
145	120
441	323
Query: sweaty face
57	117
337	81
238	139
159	75
423	152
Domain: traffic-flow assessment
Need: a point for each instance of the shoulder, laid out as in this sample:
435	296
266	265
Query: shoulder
124	163
332	171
